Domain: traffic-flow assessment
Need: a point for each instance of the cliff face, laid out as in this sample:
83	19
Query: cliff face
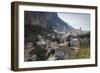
48	20
43	23
37	18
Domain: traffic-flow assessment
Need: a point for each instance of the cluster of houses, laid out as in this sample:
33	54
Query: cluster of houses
68	42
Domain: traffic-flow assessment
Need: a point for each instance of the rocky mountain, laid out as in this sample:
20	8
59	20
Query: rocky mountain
46	20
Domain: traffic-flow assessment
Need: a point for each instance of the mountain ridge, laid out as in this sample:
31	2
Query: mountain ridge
48	20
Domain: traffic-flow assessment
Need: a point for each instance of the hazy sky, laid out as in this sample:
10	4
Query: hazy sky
76	20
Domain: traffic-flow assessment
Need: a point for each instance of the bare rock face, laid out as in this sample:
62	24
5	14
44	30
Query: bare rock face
37	18
46	20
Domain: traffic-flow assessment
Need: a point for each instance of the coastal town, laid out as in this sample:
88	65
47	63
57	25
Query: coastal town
58	46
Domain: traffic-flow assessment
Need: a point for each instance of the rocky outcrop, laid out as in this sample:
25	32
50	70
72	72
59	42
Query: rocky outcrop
48	20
